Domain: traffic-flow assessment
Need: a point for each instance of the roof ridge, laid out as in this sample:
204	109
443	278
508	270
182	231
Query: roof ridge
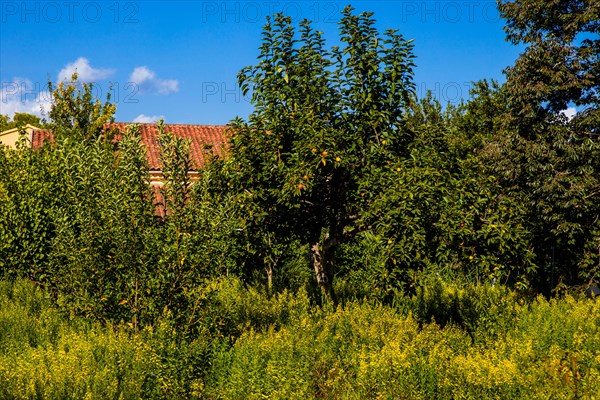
201	137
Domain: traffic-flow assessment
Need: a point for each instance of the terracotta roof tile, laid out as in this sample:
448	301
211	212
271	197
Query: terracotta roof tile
159	201
38	136
204	139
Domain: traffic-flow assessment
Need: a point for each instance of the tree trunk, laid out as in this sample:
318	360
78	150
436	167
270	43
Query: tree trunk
322	262
322	250
269	269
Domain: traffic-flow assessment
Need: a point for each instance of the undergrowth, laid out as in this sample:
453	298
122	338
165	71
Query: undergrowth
471	342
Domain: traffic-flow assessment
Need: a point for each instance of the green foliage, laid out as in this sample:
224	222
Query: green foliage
78	217
492	344
541	159
439	209
27	203
4	122
19	120
321	121
369	351
22	119
560	65
339	166
75	111
45	355
557	180
103	228
176	164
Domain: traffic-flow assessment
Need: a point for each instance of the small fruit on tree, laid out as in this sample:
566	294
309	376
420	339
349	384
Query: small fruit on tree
343	99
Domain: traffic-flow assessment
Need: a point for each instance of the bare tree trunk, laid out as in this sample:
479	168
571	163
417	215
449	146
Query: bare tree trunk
320	268
322	262
269	269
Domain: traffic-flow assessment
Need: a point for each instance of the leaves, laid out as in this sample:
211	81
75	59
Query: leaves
75	111
319	113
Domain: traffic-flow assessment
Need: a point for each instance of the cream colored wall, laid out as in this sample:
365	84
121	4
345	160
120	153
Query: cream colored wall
11	136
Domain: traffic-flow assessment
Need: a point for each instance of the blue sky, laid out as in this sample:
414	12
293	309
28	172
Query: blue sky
179	59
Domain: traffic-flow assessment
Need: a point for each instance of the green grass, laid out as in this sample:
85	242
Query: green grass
446	342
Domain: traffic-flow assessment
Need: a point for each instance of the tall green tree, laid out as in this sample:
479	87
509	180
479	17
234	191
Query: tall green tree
326	122
560	66
551	162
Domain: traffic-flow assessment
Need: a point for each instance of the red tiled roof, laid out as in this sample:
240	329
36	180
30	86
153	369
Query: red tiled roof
204	139
38	137
159	201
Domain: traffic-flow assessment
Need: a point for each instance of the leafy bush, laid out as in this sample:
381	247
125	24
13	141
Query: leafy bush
77	216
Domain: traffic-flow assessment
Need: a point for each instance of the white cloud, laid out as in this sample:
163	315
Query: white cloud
147	82
569	113
148	119
85	72
22	95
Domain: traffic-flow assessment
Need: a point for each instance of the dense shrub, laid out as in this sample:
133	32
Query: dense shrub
78	217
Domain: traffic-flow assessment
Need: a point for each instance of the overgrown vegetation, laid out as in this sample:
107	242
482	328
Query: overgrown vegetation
448	342
355	242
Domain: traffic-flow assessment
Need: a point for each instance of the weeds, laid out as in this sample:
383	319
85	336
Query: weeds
472	343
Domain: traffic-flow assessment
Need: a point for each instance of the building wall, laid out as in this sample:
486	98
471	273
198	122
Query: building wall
11	136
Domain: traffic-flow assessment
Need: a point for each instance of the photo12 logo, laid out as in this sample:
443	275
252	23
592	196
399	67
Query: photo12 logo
447	92
424	11
257	11
26	92
448	11
52	12
223	92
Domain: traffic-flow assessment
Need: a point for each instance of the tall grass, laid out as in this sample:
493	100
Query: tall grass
47	355
445	342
